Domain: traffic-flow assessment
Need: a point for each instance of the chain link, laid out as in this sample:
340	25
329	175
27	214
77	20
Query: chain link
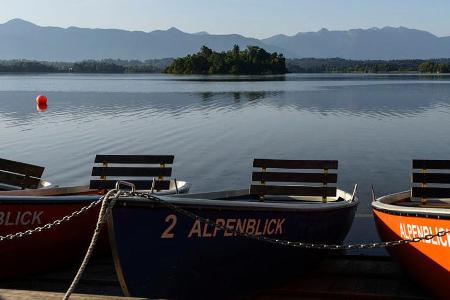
286	242
53	224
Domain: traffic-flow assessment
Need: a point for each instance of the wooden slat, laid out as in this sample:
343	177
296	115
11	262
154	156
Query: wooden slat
431	192
140	184
430	164
295	164
21	168
292	190
431	177
19	180
135	159
131	171
294	177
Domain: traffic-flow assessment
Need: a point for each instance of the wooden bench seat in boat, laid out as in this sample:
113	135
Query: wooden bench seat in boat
320	191
111	168
20	175
434	184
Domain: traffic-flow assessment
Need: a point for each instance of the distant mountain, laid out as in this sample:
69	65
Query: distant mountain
24	40
373	43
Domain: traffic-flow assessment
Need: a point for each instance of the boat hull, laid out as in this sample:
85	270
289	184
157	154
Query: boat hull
428	262
160	253
48	249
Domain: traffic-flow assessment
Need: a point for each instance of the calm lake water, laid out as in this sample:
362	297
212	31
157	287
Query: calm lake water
373	124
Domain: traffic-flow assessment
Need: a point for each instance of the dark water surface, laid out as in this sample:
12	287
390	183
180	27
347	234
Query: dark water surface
373	124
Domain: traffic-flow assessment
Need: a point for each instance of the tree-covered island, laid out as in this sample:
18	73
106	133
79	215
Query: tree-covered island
251	61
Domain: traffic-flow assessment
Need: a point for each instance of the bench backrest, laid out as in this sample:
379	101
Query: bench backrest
436	179
111	168
321	179
20	175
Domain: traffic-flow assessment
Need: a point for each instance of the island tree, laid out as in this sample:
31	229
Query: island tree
253	60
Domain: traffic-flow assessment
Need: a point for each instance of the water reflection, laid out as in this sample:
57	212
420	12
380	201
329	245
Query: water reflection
371	101
41	107
227	78
154	83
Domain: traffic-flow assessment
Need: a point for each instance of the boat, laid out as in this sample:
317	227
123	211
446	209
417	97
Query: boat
421	211
22	210
163	249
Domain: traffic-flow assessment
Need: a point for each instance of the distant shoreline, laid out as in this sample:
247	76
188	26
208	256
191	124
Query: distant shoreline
237	75
300	66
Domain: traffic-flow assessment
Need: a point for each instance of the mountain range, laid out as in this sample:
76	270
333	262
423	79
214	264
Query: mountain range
24	40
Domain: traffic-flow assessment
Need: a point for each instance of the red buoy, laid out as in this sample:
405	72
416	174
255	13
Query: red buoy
41	100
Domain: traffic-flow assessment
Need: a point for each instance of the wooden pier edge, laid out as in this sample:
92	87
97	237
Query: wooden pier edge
7	294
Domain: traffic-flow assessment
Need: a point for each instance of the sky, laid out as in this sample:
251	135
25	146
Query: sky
251	18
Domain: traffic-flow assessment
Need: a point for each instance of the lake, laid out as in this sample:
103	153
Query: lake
215	125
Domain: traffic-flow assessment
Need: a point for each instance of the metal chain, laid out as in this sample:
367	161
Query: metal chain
286	242
50	225
208	222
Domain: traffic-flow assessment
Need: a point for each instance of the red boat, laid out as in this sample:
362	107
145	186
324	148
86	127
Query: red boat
21	210
422	211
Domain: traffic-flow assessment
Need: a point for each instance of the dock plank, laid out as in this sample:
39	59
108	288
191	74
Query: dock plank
6	294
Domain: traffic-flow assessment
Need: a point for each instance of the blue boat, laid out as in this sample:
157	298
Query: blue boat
163	247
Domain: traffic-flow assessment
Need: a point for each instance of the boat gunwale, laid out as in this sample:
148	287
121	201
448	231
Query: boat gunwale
70	196
11	200
387	204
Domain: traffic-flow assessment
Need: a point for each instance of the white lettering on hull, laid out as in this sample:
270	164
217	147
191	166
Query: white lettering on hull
410	231
23	218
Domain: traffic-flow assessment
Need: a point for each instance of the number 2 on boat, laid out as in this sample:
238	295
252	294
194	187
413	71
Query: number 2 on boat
172	220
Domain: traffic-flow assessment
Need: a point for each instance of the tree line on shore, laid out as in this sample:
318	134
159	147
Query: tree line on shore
340	65
86	66
253	60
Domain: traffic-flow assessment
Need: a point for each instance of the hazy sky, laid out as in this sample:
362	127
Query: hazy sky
256	18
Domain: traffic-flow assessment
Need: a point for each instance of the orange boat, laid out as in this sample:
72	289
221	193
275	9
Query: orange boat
422	211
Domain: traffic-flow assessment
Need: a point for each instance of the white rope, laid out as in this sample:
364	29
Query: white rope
101	220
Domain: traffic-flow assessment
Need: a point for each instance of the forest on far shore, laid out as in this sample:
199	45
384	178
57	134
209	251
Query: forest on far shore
340	65
301	65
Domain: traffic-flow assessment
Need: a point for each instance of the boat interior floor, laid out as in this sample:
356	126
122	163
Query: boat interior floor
430	203
246	196
59	191
277	199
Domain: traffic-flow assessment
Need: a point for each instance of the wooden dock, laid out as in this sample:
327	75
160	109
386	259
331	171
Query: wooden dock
338	277
6	294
